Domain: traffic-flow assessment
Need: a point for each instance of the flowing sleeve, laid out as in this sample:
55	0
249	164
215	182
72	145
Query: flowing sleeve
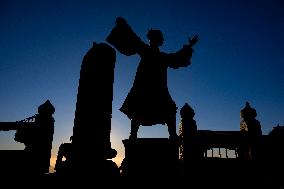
124	39
180	58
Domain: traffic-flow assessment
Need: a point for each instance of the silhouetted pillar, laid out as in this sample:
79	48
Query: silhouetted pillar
92	123
36	133
41	147
189	151
251	129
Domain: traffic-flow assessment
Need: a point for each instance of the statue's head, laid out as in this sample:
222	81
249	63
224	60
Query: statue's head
156	37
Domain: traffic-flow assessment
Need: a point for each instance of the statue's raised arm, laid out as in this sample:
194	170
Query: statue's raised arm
182	58
123	38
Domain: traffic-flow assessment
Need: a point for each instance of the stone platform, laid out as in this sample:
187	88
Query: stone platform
150	157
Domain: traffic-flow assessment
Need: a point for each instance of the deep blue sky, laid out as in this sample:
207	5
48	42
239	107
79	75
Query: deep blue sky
239	58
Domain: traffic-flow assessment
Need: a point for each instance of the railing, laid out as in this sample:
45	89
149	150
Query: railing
221	153
7	126
205	144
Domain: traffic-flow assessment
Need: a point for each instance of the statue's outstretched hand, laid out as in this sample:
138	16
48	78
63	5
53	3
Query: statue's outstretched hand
193	40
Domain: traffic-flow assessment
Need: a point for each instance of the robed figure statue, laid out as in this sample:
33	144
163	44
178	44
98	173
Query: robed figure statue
149	101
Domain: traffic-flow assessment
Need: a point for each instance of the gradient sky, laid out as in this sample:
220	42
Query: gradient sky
239	58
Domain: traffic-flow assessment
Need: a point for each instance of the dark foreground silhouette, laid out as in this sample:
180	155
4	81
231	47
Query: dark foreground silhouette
202	157
243	158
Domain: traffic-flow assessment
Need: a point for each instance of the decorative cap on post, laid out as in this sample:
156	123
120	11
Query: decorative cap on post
46	108
248	112
186	112
188	125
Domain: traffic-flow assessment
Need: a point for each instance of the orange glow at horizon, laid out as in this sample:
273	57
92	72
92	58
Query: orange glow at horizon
117	160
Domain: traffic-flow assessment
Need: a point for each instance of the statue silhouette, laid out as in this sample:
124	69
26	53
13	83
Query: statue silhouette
149	101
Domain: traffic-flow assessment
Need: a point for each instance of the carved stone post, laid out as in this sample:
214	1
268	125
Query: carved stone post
251	129
189	149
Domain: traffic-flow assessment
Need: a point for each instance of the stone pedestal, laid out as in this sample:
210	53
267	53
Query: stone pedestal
15	163
150	157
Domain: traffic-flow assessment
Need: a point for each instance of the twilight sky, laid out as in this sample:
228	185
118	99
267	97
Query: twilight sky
239	58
